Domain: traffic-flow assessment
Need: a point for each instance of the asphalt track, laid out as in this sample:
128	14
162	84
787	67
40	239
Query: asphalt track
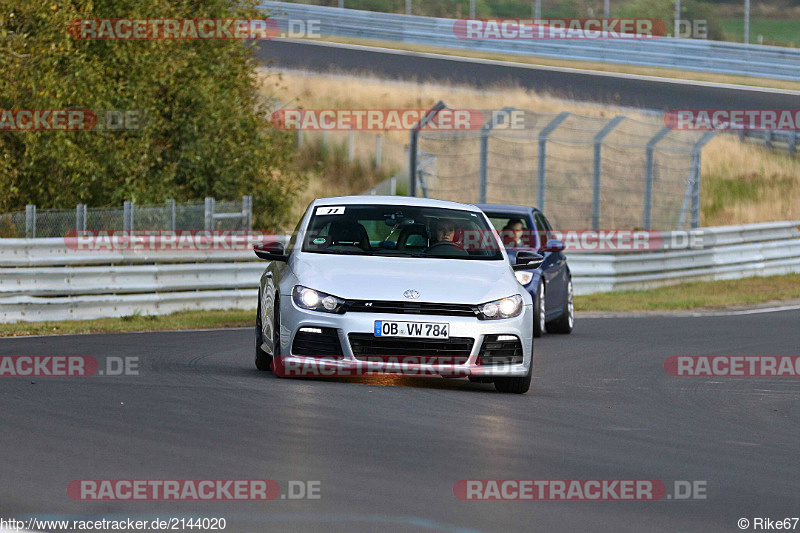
607	88
388	450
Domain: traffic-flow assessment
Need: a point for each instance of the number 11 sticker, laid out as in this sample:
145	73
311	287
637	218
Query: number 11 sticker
330	210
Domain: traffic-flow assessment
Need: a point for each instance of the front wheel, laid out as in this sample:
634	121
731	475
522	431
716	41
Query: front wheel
515	385
539	311
566	321
263	359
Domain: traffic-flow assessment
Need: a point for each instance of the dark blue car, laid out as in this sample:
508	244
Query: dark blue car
550	285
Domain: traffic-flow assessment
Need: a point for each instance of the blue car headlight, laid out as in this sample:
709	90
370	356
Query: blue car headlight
502	308
312	300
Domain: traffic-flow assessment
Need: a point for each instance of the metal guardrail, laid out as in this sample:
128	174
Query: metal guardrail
686	54
41	279
781	140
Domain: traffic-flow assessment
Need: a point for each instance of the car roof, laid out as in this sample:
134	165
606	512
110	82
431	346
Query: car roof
507	208
393	200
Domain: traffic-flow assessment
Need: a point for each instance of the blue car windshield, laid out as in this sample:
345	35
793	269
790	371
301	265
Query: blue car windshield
402	231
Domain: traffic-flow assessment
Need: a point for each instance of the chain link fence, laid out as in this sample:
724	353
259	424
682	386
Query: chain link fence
170	215
584	172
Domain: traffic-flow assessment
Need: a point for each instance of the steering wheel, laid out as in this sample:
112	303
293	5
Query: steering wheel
445	246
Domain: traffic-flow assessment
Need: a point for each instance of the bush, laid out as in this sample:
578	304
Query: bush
205	133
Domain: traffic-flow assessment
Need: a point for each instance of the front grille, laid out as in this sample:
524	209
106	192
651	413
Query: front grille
499	352
452	351
409	308
316	341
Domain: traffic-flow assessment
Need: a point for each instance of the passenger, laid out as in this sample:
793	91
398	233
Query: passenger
512	234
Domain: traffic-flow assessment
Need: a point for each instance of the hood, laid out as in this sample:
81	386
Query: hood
387	278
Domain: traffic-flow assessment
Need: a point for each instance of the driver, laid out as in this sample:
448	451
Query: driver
444	230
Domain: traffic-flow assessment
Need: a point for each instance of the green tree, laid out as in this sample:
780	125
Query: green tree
205	134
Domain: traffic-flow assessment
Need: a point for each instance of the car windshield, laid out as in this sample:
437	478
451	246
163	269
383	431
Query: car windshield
402	231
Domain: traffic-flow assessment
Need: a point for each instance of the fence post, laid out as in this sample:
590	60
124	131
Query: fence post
413	143
648	174
598	144
696	152
486	129
378	150
351	145
30	221
127	215
299	138
247	212
209	213
80	217
324	138
547	130
171	213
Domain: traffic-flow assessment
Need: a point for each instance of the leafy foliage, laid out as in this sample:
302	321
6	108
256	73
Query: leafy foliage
206	131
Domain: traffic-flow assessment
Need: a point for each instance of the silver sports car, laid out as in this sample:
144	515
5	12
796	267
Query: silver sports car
389	284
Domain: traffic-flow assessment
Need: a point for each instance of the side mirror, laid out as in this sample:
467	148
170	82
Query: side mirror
527	260
271	251
554	245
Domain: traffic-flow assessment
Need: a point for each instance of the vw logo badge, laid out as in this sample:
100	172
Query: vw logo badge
411	293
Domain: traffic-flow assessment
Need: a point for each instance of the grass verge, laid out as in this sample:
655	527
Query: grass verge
696	295
230	318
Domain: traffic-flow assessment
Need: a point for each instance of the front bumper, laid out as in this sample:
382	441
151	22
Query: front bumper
346	364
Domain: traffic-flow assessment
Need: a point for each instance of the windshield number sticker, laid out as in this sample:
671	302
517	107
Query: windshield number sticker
330	210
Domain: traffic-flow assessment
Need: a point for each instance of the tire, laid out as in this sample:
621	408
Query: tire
263	359
566	321
515	385
539	311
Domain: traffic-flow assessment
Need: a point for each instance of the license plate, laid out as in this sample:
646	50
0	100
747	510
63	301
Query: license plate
421	330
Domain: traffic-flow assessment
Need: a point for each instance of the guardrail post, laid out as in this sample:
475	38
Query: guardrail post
341	4
648	174
378	150
80	217
127	215
408	7
209	213
547	130
30	221
768	139
247	212
171	213
486	129
792	142
412	147
598	144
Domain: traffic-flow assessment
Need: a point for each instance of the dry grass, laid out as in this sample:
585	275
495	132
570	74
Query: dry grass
742	183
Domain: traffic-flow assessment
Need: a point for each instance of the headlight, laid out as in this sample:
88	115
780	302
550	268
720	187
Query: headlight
306	298
503	308
523	276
